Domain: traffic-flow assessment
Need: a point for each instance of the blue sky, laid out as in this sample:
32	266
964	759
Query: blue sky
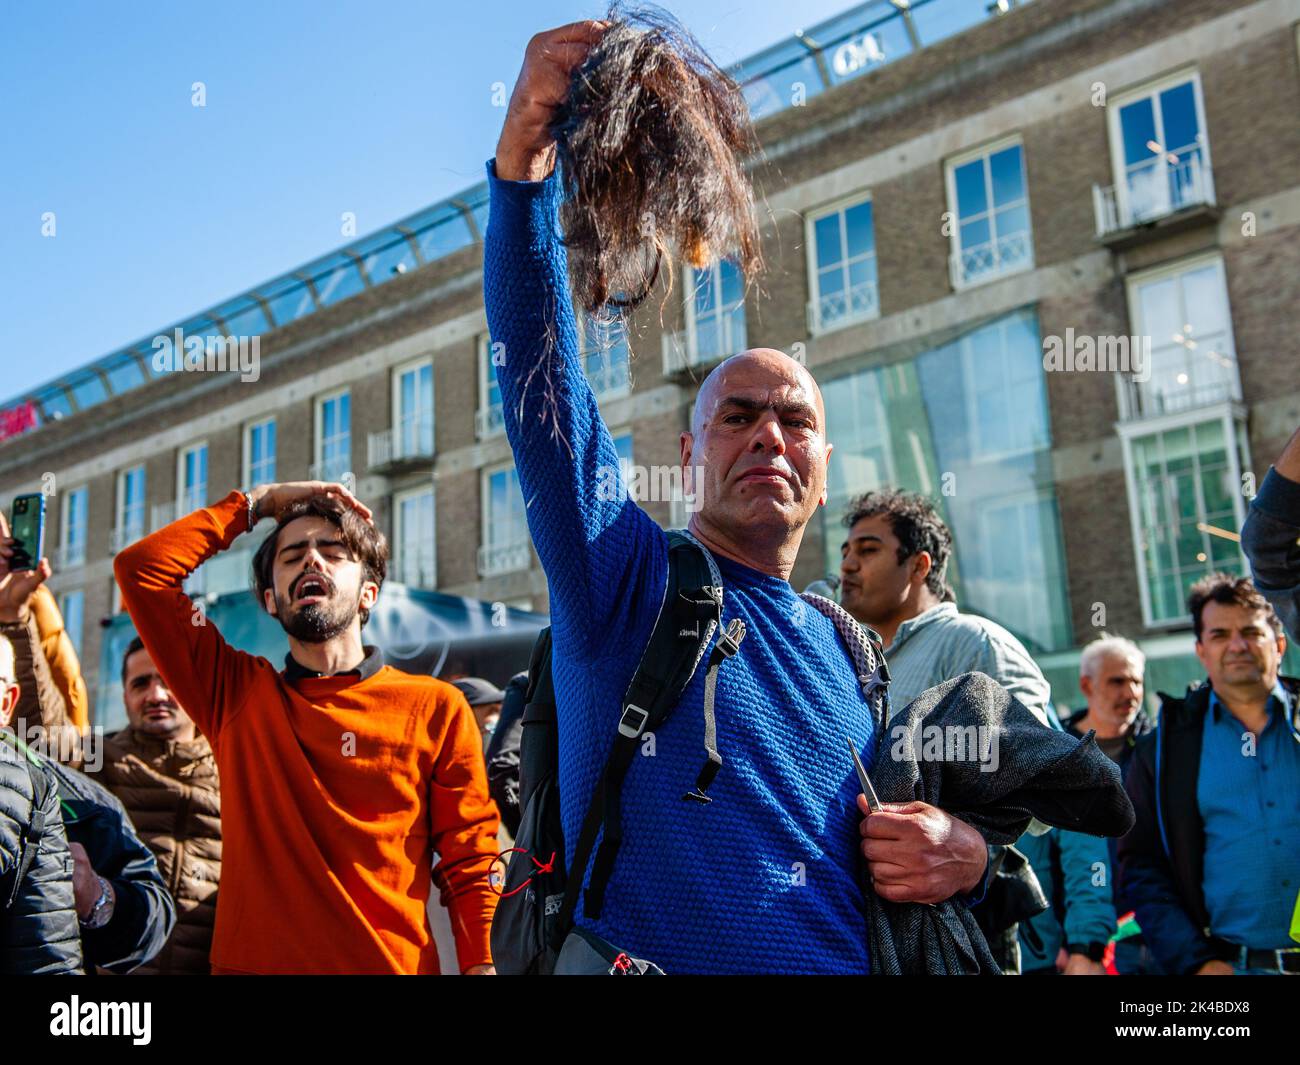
313	109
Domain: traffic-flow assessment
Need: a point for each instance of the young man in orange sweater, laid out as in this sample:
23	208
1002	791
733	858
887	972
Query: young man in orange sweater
340	776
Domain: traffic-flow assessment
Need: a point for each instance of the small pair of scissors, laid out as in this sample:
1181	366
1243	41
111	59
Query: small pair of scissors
873	804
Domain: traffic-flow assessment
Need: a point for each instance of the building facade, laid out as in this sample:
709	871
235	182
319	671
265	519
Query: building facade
1043	262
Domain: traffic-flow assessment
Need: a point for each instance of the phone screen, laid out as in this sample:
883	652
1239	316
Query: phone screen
28	530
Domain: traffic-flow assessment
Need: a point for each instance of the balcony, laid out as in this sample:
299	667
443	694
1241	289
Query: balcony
490	421
331	470
68	556
496	559
858	303
401	449
993	259
1156	195
1141	401
608	377
124	536
415	571
703	343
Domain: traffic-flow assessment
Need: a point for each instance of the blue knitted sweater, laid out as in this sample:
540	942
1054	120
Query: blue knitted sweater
766	877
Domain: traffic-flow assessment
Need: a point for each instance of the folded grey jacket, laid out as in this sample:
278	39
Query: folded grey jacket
1040	772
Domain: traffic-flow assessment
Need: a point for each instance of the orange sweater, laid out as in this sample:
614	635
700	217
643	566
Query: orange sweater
335	791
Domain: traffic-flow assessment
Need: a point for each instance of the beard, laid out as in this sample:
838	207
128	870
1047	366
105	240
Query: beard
317	622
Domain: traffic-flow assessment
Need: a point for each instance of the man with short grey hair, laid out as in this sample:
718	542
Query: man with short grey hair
1110	677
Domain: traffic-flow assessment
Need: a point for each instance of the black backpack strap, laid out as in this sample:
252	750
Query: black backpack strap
688	617
30	836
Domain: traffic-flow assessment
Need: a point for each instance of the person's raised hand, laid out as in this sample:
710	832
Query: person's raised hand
919	853
526	150
269	500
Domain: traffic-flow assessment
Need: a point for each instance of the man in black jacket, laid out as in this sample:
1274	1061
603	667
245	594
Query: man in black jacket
38	925
123	909
1211	867
1271	536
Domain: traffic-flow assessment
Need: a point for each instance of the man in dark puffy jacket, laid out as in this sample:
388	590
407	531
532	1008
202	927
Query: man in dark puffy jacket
38	924
122	905
163	770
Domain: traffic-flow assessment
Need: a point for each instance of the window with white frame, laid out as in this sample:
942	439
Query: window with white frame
715	312
1185	507
604	355
192	479
490	419
72	605
842	265
1160	151
72	542
1182	312
333	436
505	524
129	525
413	410
989	200
259	453
414	532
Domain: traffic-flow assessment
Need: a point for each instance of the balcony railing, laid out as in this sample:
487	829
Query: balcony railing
410	443
701	343
489	421
1152	191
607	377
1144	401
497	559
992	259
330	470
68	556
415	571
124	536
857	303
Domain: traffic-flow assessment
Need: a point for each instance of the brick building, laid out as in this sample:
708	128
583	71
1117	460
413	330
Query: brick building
967	211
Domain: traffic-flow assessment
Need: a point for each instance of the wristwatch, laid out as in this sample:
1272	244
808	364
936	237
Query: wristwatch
1093	951
102	912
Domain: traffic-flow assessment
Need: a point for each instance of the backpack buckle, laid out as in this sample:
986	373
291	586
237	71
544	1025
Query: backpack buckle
632	721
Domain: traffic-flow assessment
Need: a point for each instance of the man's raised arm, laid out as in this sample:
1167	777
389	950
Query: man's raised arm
589	536
207	675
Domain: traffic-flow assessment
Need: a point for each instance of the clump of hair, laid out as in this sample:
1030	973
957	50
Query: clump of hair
651	141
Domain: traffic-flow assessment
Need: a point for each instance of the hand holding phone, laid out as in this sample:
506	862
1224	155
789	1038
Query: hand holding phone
24	547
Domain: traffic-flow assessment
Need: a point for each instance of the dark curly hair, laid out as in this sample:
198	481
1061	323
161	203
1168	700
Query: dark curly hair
364	542
1232	591
916	523
651	142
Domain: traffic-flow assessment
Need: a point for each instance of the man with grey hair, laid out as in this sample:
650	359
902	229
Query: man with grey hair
1110	677
1111	672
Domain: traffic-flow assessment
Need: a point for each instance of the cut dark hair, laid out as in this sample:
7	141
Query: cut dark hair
364	542
1231	591
916	523
651	142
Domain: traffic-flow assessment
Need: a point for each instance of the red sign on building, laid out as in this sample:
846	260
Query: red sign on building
17	419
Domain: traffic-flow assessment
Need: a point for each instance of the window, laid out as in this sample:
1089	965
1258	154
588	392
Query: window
72	545
130	523
192	479
989	198
715	312
333	437
413	410
604	355
72	605
967	425
842	265
259	453
1160	151
505	526
1183	310
491	413
1185	508
414	520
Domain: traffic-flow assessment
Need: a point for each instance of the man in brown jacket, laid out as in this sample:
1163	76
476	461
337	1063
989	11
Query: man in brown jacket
163	771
